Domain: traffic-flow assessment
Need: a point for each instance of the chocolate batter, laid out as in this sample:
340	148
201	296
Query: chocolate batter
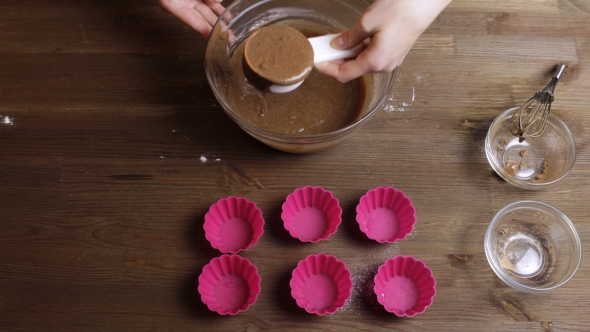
320	105
279	54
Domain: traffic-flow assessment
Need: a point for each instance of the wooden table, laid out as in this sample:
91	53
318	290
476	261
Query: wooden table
113	147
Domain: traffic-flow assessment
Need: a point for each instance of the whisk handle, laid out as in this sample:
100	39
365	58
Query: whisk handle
560	71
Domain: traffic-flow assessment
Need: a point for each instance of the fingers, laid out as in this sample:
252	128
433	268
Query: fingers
330	68
206	13
376	58
342	70
200	15
193	18
356	35
215	6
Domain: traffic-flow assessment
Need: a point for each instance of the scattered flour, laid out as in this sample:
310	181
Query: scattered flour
420	77
363	270
362	290
7	120
204	158
391	108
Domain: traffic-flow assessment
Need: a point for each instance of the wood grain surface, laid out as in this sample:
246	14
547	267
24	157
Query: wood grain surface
113	147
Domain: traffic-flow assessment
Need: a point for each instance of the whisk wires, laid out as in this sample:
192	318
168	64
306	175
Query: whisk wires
530	120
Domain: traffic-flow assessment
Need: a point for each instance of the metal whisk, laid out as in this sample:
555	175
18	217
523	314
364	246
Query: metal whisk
530	119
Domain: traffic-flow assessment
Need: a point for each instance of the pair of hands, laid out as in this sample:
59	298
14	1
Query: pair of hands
393	26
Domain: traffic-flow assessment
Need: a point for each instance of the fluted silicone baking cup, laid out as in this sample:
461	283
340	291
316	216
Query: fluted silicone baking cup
229	284
405	286
385	215
321	284
311	214
233	224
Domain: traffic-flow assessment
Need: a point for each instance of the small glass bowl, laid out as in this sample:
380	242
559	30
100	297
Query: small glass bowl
532	247
533	163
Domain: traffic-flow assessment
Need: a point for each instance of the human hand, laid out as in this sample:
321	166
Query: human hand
393	26
200	15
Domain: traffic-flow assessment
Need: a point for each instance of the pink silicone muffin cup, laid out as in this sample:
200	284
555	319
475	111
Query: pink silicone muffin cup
385	214
405	286
229	284
321	284
233	224
311	214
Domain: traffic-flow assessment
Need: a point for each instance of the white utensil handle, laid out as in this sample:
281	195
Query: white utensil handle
322	51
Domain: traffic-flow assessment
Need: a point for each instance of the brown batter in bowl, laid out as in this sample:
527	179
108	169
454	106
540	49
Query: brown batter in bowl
320	105
316	115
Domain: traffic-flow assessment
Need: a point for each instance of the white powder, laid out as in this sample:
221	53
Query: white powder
362	295
391	108
203	158
419	77
8	120
363	269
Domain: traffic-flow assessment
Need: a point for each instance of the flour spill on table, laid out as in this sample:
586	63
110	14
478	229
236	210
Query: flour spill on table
420	77
204	158
7	120
391	108
363	270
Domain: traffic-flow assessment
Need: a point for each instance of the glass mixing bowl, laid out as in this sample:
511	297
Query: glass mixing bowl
533	163
532	246
243	17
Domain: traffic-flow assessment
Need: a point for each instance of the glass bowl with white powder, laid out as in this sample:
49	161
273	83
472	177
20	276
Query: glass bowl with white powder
532	246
